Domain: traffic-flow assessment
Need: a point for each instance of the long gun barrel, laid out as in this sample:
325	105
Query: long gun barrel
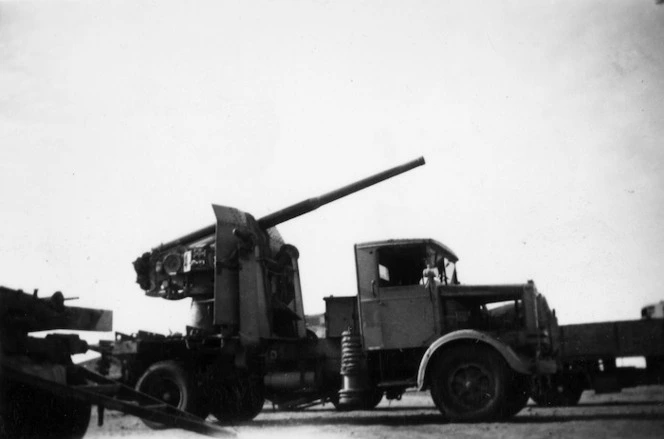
306	206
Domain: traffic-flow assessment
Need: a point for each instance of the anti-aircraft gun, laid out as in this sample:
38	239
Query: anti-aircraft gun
238	271
411	324
247	339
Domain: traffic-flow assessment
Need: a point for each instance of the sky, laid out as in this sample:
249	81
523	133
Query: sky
122	122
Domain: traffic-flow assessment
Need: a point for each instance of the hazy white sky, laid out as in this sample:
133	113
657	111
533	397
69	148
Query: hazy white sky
121	122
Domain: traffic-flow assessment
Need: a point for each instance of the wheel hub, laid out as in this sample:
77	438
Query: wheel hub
164	389
471	386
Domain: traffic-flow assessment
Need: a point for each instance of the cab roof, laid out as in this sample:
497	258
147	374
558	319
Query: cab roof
414	241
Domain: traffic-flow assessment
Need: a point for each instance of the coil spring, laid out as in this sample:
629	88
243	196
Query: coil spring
351	353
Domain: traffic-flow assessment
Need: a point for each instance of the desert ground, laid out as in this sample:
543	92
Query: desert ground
637	412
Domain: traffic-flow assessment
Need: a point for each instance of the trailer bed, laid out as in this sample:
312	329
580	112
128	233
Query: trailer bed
631	338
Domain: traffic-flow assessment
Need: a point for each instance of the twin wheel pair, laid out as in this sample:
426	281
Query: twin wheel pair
231	401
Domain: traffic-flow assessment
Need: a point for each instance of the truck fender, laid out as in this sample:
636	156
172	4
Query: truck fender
508	354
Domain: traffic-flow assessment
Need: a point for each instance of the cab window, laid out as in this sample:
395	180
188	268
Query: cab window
412	264
401	265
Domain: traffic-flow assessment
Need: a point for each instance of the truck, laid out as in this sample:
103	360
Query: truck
589	354
412	324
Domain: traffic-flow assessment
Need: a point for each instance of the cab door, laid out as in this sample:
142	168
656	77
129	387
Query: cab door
397	306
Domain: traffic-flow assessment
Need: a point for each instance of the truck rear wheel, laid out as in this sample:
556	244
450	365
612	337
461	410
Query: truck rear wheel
238	401
558	395
470	383
519	394
169	382
372	400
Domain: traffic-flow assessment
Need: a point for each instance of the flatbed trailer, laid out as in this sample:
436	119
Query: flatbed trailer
590	353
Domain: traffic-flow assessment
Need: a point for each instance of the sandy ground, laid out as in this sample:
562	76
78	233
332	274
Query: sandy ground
637	412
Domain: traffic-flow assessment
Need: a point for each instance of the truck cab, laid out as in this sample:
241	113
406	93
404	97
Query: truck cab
396	281
410	295
419	327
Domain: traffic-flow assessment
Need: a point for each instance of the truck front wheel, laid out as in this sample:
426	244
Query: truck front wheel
470	383
168	382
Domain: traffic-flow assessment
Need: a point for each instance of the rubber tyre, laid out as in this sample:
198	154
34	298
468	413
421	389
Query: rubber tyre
27	413
169	382
372	399
560	395
519	395
239	401
470	383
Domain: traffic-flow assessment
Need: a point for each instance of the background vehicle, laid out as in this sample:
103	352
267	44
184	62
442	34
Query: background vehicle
589	354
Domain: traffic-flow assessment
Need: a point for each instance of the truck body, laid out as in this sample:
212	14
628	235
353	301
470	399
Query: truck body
590	354
411	324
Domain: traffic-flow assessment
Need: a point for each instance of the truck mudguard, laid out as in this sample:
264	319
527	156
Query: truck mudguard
472	335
